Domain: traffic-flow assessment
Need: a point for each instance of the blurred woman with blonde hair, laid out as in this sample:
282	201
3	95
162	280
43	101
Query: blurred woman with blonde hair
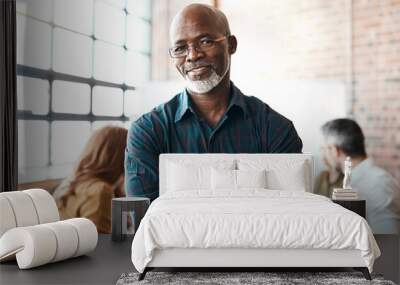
98	177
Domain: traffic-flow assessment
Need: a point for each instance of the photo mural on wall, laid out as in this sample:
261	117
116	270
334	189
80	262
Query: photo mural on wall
84	65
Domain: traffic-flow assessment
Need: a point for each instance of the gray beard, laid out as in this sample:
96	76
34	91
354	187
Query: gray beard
206	85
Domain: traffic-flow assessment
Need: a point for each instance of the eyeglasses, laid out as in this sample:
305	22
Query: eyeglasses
202	45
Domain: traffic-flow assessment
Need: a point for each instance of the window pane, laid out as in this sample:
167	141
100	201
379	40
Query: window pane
68	140
40	9
72	53
140	8
109	24
116	3
99	124
127	124
69	97
76	15
137	68
108	62
133	104
33	95
107	101
138	34
33	42
60	171
143	99
33	143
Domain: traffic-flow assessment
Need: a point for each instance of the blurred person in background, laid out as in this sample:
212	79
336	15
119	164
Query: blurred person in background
328	179
98	177
343	138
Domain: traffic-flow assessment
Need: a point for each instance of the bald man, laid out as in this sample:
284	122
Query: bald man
211	115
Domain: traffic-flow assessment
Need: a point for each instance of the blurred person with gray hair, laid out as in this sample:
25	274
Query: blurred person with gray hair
344	138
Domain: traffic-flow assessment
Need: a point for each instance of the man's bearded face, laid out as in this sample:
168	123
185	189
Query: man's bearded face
202	70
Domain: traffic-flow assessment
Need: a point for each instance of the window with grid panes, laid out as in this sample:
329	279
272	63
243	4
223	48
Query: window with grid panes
79	63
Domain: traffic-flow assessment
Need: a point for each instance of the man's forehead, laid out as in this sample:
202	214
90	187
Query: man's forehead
192	32
194	22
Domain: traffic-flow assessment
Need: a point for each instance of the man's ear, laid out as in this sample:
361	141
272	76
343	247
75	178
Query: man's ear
232	44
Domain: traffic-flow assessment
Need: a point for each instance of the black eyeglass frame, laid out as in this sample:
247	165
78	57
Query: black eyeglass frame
197	47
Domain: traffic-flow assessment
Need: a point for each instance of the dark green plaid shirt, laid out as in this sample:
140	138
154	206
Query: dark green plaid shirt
248	126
